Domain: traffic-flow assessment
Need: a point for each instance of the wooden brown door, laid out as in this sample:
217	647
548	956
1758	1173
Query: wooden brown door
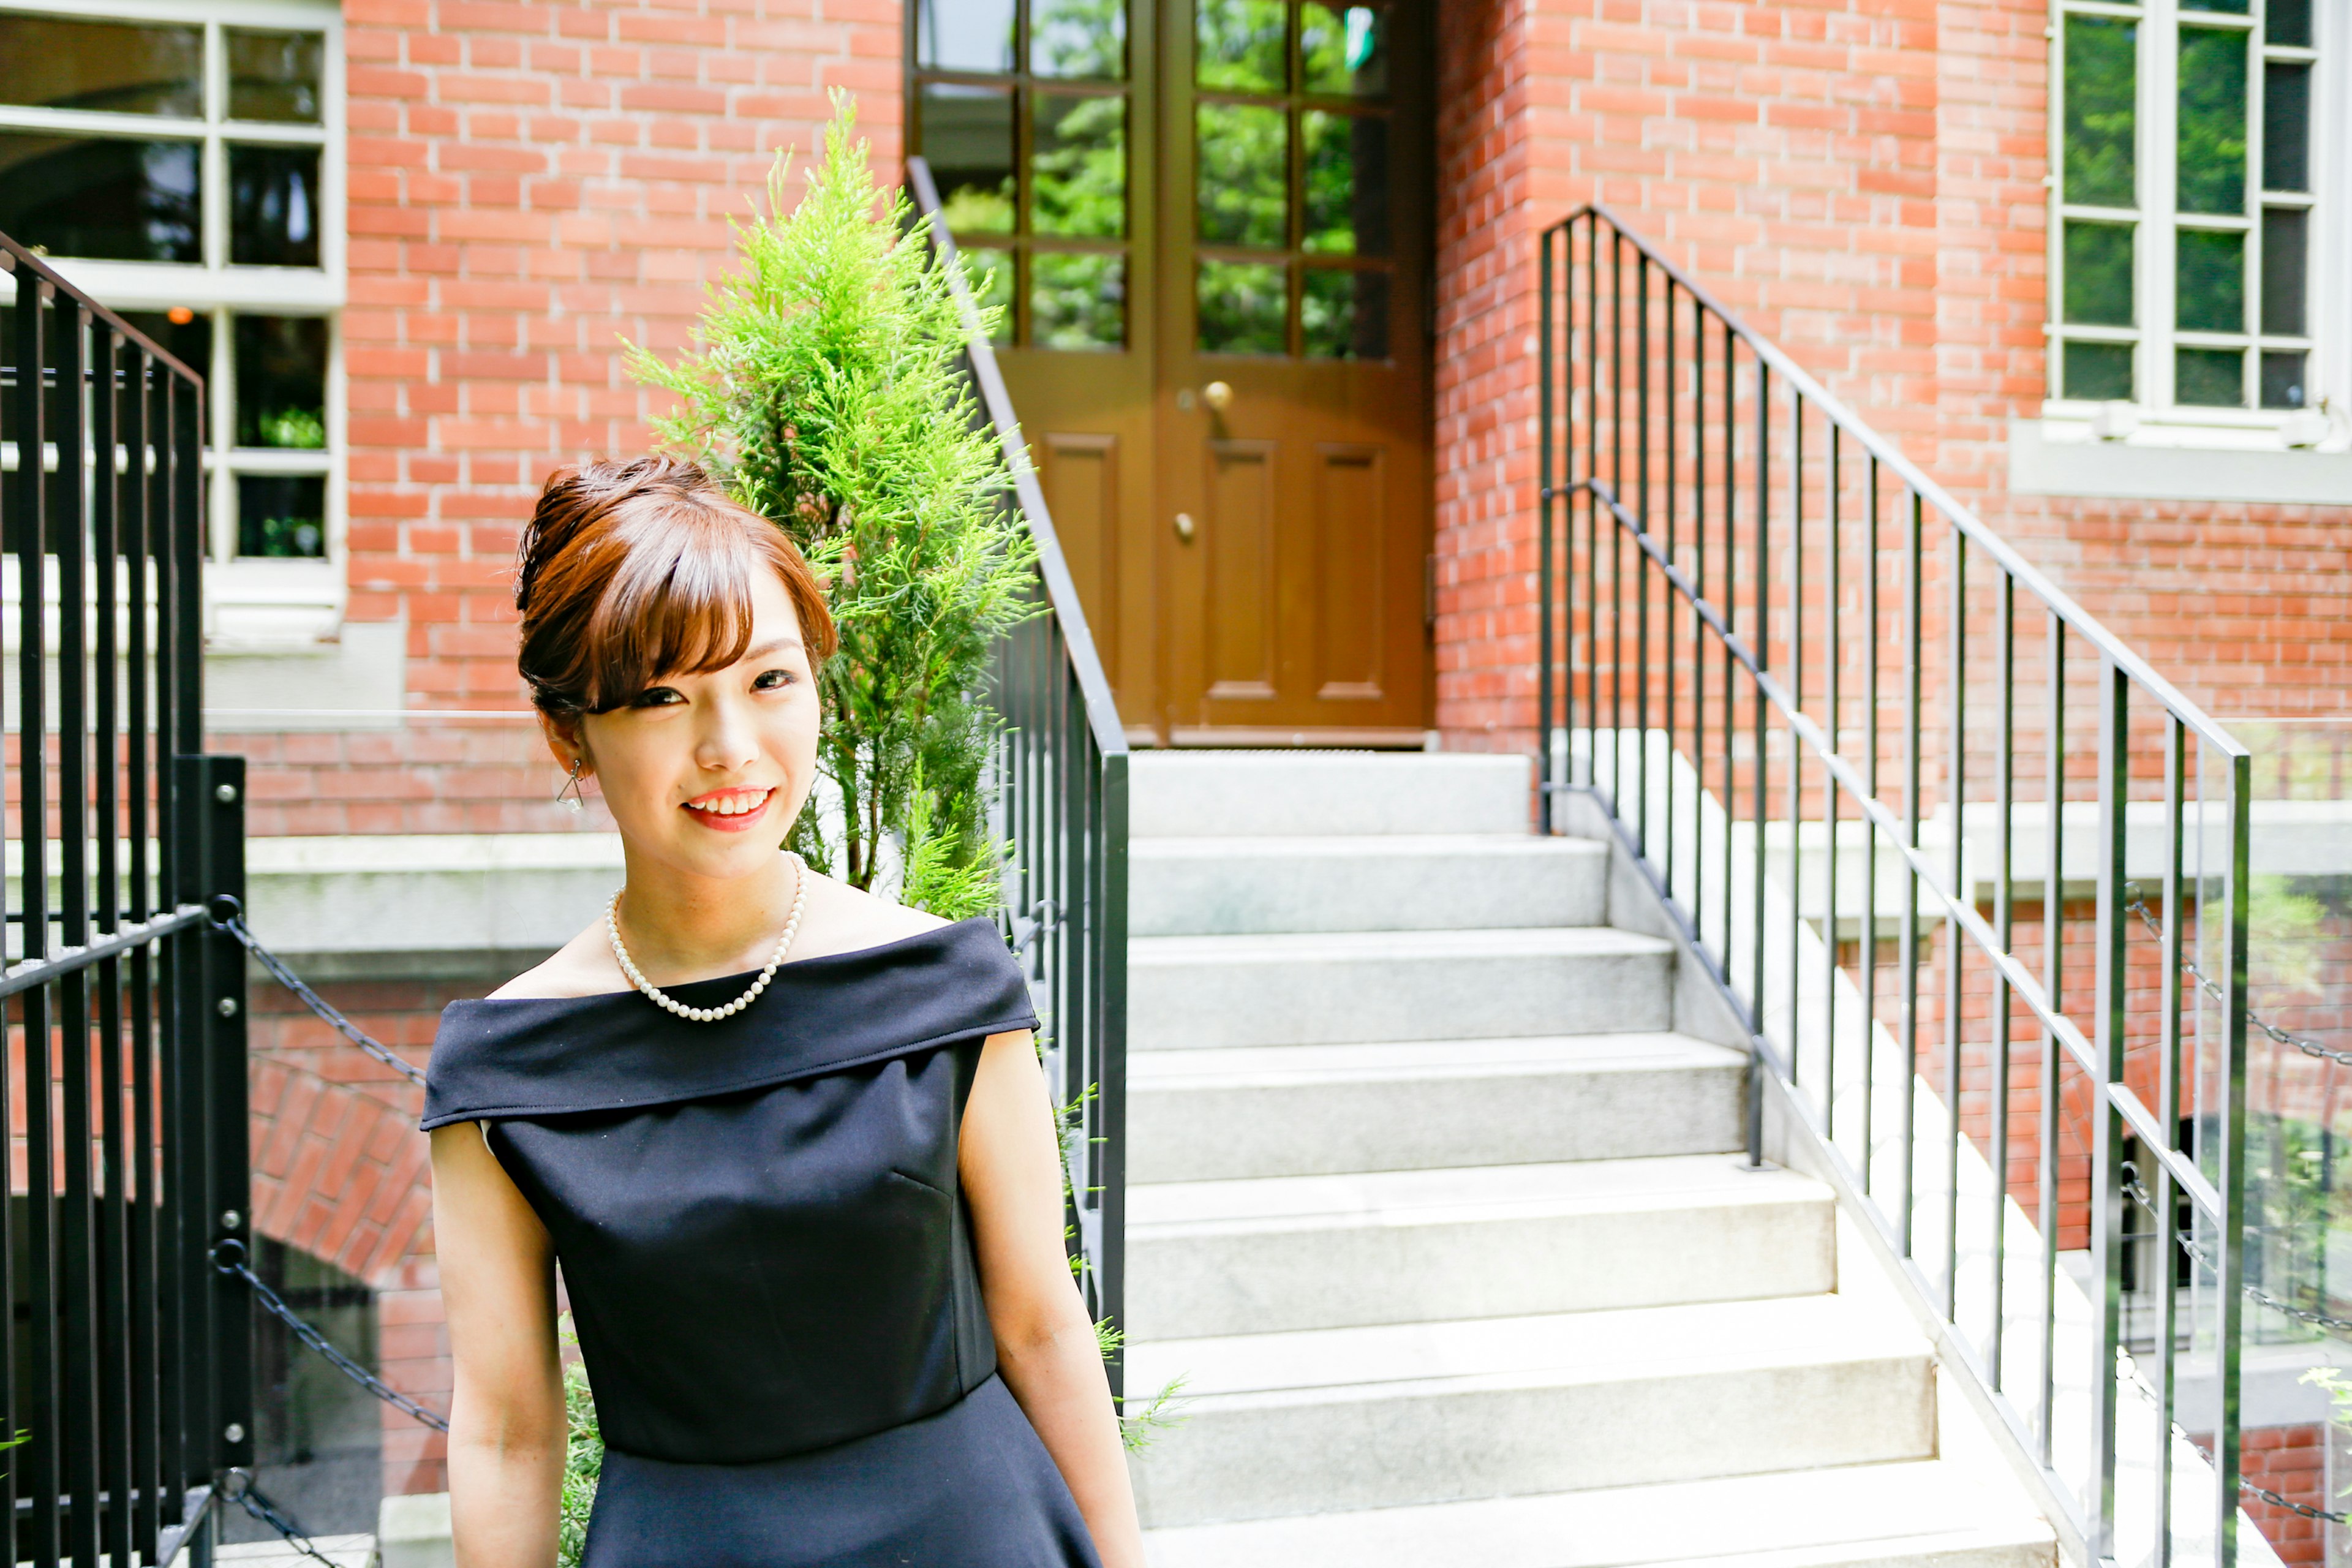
1208	223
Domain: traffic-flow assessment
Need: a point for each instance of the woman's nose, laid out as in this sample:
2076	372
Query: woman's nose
725	740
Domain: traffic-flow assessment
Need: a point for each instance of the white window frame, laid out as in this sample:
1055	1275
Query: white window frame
2061	451
257	603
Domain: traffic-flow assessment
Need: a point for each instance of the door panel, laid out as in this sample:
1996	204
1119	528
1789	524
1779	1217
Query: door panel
1239	626
1078	472
1350	507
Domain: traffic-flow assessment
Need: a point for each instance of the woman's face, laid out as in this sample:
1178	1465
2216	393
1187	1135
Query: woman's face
705	773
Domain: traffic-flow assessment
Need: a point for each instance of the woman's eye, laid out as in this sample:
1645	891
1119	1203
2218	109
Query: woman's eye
656	697
770	679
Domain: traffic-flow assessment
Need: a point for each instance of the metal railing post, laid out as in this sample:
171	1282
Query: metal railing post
219	794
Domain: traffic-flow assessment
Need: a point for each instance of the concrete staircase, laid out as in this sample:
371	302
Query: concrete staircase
1445	1226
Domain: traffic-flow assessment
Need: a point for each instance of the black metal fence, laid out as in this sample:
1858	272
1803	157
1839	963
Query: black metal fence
124	1356
1892	786
1061	778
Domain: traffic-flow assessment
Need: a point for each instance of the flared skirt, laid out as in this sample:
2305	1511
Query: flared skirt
971	1487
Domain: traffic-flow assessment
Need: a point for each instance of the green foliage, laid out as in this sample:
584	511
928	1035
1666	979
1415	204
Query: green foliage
2102	98
2210	174
2286	931
824	387
584	1459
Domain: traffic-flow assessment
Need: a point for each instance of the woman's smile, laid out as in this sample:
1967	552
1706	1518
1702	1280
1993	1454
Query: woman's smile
737	809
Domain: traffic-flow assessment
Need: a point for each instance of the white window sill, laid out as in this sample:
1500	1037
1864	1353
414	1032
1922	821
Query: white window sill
271	606
2236	460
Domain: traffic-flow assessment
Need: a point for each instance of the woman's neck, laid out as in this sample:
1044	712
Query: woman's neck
680	927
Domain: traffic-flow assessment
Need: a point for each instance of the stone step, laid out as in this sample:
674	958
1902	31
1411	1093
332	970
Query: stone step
1220	793
1198	992
1353	1418
1921	1514
1294	1111
1396	1247
1422	881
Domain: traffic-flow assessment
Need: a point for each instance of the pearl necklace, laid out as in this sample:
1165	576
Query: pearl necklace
711	1015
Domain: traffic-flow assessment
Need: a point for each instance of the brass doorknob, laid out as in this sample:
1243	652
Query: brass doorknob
1217	395
1184	526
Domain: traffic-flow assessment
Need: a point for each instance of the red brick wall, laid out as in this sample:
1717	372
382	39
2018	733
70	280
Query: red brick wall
529	181
1863	181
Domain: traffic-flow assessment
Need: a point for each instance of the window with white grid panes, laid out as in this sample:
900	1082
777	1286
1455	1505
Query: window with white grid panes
1022	108
182	160
2187	181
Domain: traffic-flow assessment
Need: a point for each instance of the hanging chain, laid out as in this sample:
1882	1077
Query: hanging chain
233	923
2310	1048
229	1262
247	1493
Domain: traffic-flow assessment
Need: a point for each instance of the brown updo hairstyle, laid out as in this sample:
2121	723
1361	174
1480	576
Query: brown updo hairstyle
629	571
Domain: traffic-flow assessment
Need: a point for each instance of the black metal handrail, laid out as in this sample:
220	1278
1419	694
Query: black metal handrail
1062	782
126	1004
1736	521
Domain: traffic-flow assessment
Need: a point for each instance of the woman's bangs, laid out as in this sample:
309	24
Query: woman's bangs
679	604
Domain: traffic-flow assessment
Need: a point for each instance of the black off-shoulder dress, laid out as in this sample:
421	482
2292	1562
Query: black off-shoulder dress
769	1261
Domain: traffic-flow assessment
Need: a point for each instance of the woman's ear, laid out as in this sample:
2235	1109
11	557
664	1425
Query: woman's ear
567	745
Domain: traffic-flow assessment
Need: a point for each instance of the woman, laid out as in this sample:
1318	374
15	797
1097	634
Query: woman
789	1142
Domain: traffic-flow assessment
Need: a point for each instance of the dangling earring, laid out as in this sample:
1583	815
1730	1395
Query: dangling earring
568	797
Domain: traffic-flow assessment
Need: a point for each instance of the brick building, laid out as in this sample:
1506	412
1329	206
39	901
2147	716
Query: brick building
406	238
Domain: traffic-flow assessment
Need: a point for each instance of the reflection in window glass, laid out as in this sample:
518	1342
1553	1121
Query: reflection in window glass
1239	45
1241	306
988	273
2209	378
111	200
1243	167
273	206
1078	301
2287	127
53	62
2099	274
2101	372
964	34
275	76
2102	79
1078	38
1344	49
2209	281
968	137
2283	379
2288	22
2210	175
1079	166
281	515
1347	183
2286	250
281	381
1344	315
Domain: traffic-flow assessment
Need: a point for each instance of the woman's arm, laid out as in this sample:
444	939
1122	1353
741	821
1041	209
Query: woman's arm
506	1425
1011	1163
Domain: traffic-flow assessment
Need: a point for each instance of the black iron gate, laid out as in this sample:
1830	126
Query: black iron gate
125	1353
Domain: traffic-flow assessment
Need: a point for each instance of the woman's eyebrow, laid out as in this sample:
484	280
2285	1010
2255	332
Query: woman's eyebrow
766	649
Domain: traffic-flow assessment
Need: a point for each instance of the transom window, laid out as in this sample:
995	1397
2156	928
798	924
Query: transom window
2188	184
179	160
1022	108
1290	167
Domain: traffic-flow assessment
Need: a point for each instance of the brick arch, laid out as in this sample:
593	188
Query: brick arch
338	1171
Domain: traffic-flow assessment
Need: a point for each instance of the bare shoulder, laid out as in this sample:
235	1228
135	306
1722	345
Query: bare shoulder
842	919
581	967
